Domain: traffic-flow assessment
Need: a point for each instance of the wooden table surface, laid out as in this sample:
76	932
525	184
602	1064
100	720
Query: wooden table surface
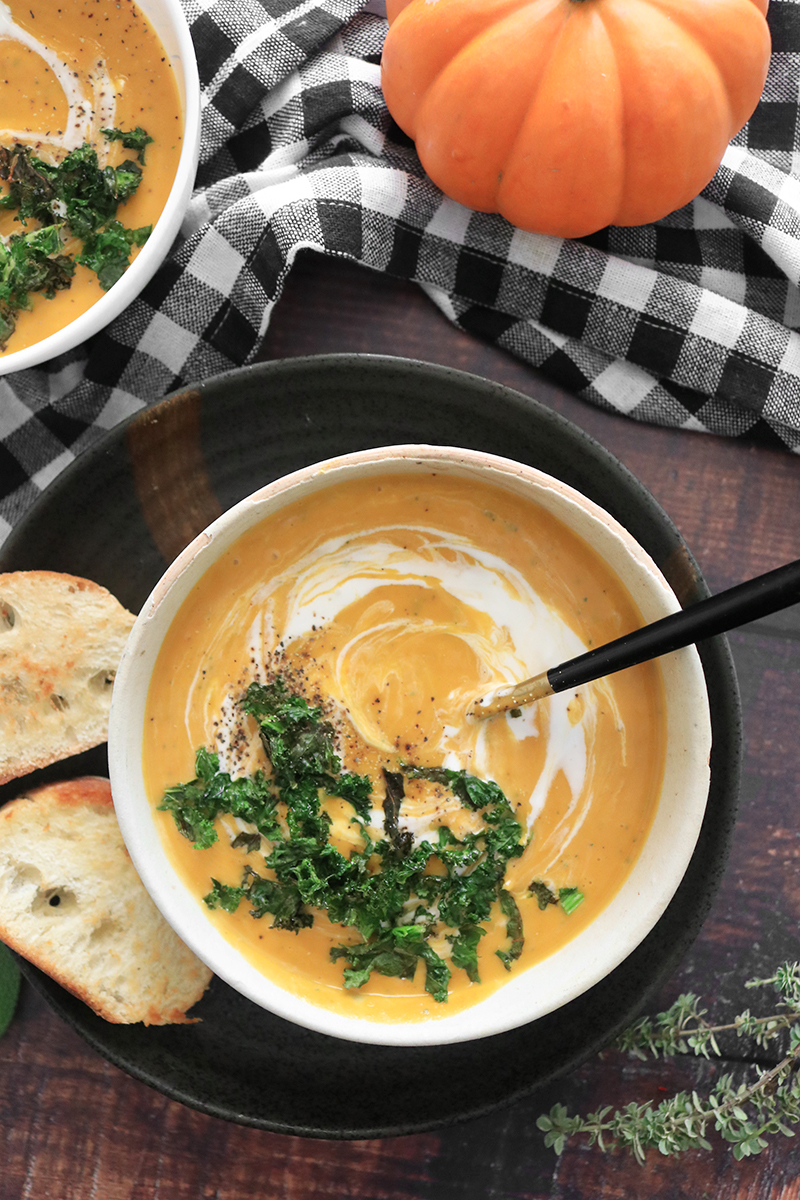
73	1127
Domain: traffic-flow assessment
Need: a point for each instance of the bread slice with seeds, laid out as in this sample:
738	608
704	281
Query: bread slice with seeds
73	905
61	639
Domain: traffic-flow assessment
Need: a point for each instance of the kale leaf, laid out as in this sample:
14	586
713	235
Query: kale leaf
76	198
249	842
396	895
396	954
298	743
465	950
401	839
510	910
132	139
266	896
222	895
196	805
29	263
107	251
542	893
77	190
568	897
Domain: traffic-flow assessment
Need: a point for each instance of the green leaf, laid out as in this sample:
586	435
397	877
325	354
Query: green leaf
437	973
107	251
249	842
132	139
401	839
282	900
384	890
357	789
9	987
570	899
298	743
30	263
510	910
75	197
543	894
465	950
224	896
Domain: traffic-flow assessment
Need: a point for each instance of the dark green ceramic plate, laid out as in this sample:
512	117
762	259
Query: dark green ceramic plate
125	508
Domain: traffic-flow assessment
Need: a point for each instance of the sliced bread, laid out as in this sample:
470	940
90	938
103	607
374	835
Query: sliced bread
61	639
73	905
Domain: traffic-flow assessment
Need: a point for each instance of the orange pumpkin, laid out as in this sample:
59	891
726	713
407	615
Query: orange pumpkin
569	115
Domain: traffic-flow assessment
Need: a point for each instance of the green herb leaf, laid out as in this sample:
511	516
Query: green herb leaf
465	950
542	893
9	987
401	839
569	899
196	805
298	743
510	910
249	842
396	906
355	788
30	263
224	896
74	198
132	139
281	899
744	1115
107	251
397	957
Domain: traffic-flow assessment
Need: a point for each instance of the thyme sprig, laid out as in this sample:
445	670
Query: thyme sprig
744	1115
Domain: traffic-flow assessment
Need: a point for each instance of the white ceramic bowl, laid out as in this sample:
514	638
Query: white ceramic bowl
593	953
167	19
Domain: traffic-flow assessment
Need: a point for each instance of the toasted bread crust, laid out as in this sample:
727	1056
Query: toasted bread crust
61	638
73	905
88	790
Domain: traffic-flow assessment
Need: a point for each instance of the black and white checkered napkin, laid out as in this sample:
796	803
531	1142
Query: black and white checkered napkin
691	322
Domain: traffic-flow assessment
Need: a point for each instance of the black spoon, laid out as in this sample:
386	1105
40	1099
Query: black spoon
746	602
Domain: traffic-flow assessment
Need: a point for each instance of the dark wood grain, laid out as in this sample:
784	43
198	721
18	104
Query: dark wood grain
73	1127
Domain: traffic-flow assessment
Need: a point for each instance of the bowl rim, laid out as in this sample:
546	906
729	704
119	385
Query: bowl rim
167	895
152	254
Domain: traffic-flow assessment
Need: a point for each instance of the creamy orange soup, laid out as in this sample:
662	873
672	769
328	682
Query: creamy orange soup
70	68
400	599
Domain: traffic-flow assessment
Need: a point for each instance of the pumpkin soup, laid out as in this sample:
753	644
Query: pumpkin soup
388	604
71	69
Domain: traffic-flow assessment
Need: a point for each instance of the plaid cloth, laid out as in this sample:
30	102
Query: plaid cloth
690	322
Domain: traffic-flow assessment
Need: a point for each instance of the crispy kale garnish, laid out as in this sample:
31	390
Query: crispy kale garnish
77	190
132	139
107	251
383	889
398	954
30	263
568	897
196	805
543	894
402	840
282	900
298	743
76	198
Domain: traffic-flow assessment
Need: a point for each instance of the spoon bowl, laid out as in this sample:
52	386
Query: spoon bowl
736	606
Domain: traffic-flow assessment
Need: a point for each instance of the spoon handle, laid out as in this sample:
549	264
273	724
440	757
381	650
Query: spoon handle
746	602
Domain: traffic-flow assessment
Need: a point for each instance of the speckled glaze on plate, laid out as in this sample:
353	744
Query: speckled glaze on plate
124	509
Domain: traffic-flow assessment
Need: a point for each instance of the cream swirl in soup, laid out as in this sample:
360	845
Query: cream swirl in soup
396	601
90	96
